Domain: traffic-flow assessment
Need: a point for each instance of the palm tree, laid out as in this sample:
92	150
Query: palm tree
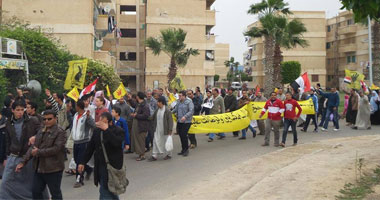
171	42
277	32
233	68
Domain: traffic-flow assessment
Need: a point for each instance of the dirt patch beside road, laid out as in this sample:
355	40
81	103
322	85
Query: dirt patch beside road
310	171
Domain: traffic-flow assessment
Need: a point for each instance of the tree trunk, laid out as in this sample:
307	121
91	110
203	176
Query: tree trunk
277	66
268	66
172	71
376	53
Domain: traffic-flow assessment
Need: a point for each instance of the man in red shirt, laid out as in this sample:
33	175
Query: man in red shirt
290	118
275	108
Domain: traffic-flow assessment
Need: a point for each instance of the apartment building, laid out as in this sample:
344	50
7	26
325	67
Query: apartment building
195	17
346	47
222	53
77	24
312	58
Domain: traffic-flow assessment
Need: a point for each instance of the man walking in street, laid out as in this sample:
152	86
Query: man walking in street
230	103
312	116
197	110
59	107
275	108
290	118
81	134
112	138
152	102
260	123
332	107
217	108
184	111
49	158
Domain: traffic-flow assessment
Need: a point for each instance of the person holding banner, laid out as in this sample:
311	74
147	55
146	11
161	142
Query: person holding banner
217	108
244	100
197	101
184	111
312	116
231	104
260	123
275	108
290	118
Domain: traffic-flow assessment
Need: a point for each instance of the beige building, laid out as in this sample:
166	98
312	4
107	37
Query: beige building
312	58
84	27
346	46
197	19
77	24
222	53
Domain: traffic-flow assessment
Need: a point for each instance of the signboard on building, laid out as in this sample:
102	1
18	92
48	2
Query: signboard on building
6	63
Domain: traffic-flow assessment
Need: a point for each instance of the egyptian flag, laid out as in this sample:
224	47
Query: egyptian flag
364	86
301	83
257	90
347	80
88	89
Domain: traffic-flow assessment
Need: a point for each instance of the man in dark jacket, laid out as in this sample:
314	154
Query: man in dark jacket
231	104
3	156
113	138
49	157
332	107
20	128
197	101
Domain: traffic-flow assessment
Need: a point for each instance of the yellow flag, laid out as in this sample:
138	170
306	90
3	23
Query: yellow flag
171	98
76	74
120	91
374	87
356	77
74	94
108	91
275	90
237	120
177	83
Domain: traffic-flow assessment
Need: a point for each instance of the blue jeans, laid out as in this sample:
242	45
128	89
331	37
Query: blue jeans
244	131
103	181
335	120
212	135
323	118
287	123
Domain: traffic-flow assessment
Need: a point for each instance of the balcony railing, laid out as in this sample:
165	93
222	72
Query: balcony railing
348	29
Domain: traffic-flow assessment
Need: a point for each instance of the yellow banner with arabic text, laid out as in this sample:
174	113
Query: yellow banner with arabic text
237	120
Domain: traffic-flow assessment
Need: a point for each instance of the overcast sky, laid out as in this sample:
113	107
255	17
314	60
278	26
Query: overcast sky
232	19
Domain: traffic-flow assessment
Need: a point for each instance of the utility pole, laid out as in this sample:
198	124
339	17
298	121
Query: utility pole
370	50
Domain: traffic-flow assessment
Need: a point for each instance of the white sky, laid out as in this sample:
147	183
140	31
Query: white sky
232	19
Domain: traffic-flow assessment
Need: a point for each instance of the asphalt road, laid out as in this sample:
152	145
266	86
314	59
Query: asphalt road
161	179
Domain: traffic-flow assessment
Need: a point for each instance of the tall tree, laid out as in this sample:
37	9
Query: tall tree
172	42
362	9
278	32
233	68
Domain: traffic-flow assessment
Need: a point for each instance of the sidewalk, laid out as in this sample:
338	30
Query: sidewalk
310	171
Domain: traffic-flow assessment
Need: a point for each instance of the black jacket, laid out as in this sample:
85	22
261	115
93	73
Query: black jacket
230	102
30	128
142	116
113	139
197	105
3	155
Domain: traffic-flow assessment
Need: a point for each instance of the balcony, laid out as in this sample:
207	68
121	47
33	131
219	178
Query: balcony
128	18
348	29
210	39
210	17
347	48
102	23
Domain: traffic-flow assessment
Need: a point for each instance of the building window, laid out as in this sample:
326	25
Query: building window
127	10
254	63
350	21
328	28
351	59
128	56
210	55
128	33
328	45
314	78
329	78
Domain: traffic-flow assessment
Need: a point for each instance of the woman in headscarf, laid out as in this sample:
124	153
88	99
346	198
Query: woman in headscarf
375	111
364	113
